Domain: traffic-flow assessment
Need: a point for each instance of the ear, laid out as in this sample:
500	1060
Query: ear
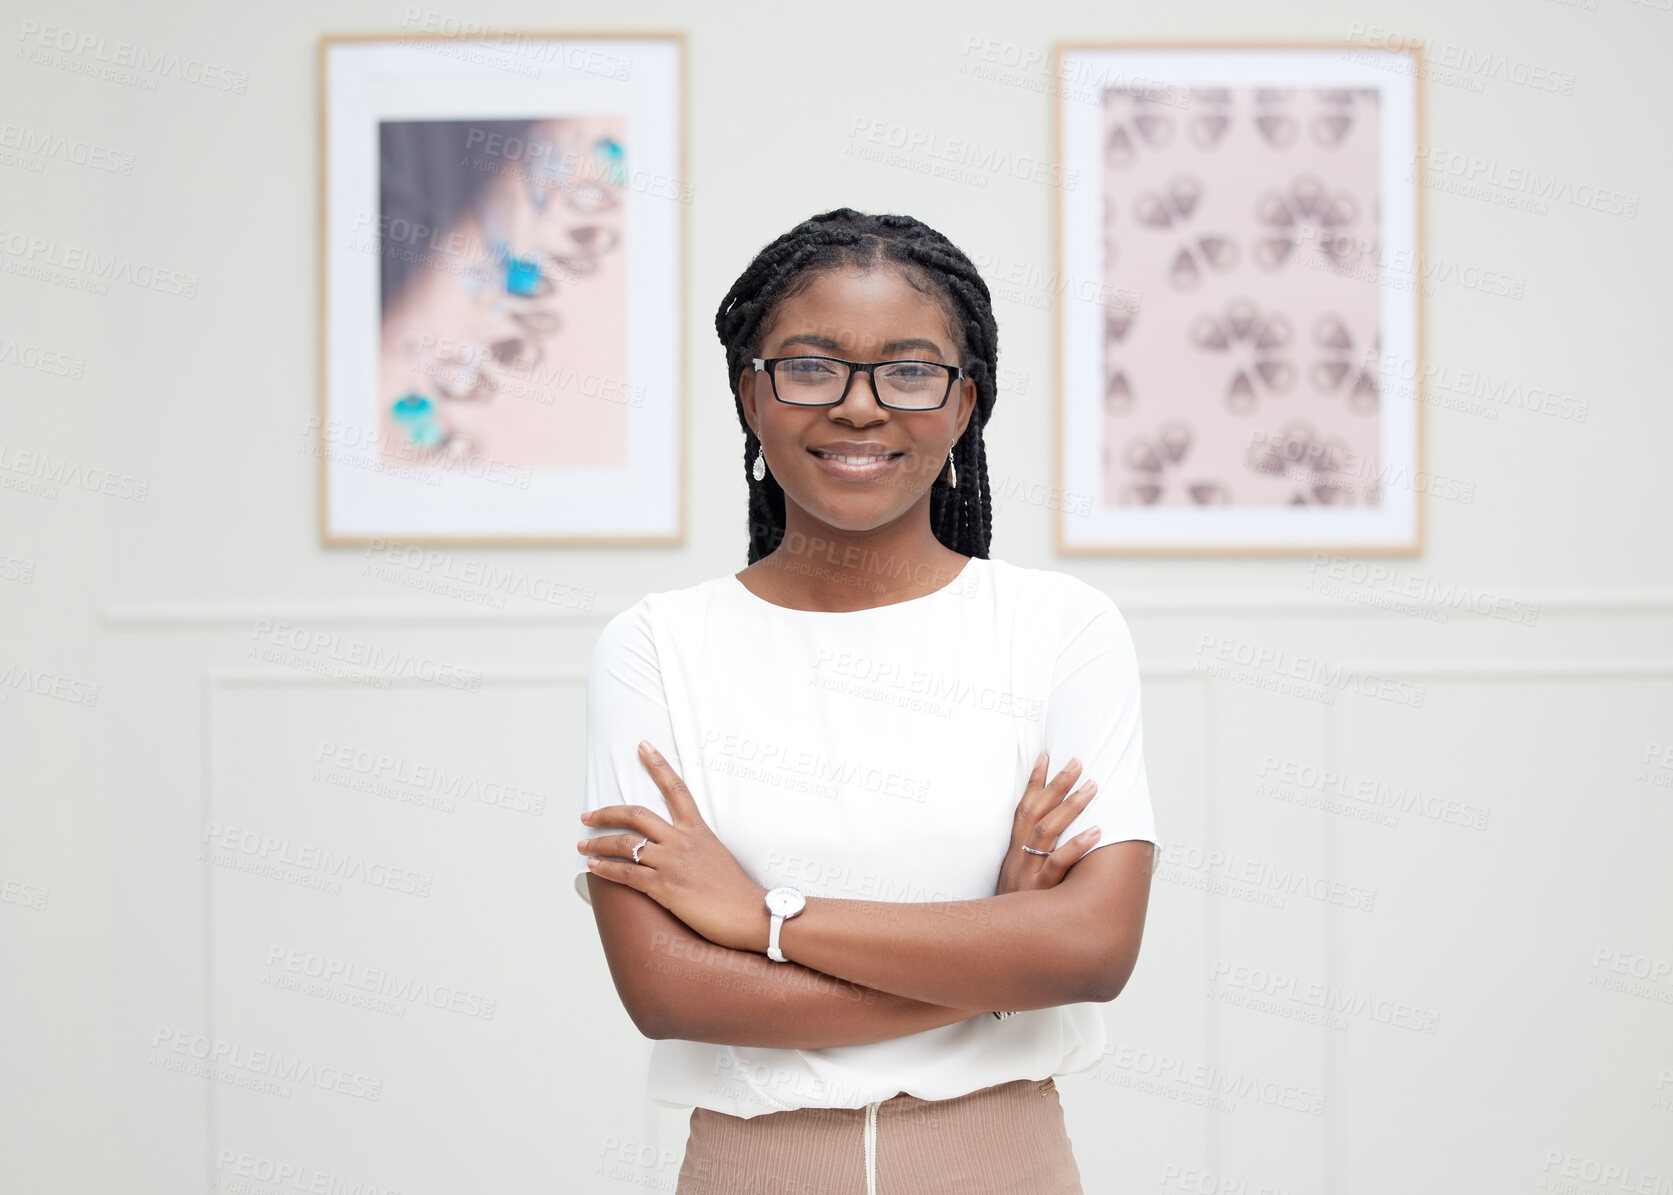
746	398
966	404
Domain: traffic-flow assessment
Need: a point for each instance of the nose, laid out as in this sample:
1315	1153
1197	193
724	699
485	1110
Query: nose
860	403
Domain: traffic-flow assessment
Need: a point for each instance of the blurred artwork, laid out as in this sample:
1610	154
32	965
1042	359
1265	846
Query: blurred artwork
1244	205
502	290
1245	219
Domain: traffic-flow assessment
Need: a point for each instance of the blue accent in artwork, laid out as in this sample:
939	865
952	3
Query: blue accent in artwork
522	276
609	152
417	416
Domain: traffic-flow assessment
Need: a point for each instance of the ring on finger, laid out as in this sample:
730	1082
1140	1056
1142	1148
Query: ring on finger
1032	851
636	848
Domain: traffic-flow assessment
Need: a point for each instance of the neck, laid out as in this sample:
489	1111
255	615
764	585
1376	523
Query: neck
827	568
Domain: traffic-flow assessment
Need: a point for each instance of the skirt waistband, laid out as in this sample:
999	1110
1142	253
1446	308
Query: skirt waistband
1000	1139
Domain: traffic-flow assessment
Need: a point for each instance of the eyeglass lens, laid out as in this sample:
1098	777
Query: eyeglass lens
819	381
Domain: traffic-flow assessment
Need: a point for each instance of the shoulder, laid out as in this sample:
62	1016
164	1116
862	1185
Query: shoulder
1077	621
625	628
1078	601
633	630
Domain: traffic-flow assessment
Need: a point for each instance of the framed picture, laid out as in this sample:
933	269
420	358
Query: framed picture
1240	315
502	229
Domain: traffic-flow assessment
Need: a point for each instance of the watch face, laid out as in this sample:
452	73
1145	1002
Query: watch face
785	902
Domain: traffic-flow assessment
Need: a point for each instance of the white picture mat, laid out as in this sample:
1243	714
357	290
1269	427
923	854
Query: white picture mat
377	81
1394	522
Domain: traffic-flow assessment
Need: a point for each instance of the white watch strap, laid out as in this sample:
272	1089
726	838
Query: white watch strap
773	952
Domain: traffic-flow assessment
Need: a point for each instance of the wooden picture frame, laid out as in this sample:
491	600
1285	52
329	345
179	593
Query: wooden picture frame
502	246
1240	345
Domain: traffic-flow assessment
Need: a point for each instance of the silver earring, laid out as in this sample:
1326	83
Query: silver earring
952	473
759	469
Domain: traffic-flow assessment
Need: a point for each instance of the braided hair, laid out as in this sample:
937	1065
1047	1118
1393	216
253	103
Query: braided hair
961	519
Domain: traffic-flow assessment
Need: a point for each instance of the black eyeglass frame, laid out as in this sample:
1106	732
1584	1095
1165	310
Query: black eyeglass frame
955	372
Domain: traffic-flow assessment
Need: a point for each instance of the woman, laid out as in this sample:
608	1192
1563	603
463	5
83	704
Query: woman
848	723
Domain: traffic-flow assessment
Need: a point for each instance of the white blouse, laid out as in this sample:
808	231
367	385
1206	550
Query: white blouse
872	755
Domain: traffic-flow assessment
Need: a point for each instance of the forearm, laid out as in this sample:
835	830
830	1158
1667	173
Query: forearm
675	983
1031	949
714	994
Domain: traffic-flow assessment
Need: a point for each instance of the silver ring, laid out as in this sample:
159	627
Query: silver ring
1032	851
636	847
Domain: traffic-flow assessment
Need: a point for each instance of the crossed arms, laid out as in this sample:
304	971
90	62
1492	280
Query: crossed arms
872	970
866	971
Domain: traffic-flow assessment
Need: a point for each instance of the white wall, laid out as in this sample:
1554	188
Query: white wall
114	935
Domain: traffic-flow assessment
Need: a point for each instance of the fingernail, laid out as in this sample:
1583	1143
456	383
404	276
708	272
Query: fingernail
586	815
1074	762
1096	831
1039	761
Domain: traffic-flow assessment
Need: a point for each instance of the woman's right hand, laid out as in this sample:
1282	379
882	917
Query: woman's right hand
1044	812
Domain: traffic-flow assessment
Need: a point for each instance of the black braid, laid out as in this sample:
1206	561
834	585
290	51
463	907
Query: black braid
931	262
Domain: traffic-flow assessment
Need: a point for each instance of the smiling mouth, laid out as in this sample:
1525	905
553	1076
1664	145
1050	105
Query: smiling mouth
851	459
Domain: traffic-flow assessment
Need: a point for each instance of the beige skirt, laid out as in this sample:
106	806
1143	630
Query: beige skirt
996	1141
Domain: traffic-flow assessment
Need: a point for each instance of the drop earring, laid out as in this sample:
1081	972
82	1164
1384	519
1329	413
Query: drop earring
759	469
952	473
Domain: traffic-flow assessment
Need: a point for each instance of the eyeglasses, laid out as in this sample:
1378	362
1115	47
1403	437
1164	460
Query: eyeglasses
824	381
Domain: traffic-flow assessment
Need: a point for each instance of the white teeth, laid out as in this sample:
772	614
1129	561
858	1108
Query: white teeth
853	460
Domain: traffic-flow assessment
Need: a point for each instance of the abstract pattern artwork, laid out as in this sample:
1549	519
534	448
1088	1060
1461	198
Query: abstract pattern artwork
1247	215
1244	224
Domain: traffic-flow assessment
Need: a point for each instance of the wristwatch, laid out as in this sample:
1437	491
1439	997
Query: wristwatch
783	903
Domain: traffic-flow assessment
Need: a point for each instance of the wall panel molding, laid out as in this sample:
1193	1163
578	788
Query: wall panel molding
186	614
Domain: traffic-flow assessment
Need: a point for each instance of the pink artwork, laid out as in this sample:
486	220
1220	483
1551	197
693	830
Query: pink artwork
504	293
1246	221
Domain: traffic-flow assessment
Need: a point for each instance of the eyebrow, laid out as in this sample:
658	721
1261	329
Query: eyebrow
893	346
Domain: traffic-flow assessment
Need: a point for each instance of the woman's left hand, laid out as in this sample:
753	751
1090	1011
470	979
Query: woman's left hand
684	867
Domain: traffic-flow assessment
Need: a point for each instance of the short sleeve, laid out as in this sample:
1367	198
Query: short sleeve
1092	712
626	702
